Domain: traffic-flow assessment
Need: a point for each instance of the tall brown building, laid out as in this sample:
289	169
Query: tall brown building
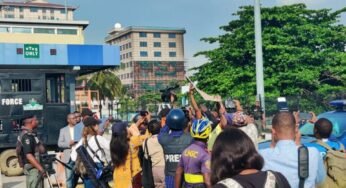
151	57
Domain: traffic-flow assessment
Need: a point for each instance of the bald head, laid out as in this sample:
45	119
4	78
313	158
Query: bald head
284	123
71	119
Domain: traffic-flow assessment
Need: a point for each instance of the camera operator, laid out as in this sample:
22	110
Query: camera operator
31	150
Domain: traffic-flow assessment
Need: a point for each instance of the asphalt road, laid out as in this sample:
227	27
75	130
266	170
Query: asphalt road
13	182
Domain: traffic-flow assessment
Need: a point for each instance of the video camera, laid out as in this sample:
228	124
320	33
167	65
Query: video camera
47	162
167	93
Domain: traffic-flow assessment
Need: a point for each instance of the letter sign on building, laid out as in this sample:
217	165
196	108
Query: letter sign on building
31	51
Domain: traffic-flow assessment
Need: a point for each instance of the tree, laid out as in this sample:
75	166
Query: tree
304	53
107	83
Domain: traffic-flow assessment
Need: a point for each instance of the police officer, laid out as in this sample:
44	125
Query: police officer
32	148
173	140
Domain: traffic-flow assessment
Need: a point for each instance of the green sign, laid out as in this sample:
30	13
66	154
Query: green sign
31	51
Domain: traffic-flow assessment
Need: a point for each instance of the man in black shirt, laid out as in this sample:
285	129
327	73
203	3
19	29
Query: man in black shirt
31	150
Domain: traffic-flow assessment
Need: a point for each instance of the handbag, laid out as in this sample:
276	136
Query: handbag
136	179
148	178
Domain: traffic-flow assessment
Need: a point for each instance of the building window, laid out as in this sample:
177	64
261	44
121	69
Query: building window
142	34
21	85
172	54
127	55
44	30
55	84
4	29
130	46
21	9
19	51
44	10
21	16
52	11
143	44
157	54
67	31
157	44
33	9
62	11
52	17
157	35
130	54
9	9
130	63
172	44
171	35
52	51
121	48
21	30
144	54
9	16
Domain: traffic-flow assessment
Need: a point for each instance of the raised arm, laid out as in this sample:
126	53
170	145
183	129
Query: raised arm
222	113
193	103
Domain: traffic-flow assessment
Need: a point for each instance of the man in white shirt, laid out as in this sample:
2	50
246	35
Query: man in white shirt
66	142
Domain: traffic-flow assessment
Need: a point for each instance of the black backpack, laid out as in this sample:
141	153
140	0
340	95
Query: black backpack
147	171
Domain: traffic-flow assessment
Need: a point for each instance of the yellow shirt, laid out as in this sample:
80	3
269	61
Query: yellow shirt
122	174
213	135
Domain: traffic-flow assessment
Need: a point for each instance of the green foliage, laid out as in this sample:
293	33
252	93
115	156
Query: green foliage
107	83
303	54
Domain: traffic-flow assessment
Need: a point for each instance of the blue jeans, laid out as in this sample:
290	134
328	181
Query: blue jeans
70	175
169	180
87	181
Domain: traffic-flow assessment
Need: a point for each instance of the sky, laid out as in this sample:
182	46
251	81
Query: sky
200	18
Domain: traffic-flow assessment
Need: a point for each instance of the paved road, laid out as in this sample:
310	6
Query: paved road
13	182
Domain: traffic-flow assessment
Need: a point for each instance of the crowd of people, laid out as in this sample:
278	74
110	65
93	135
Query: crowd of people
196	147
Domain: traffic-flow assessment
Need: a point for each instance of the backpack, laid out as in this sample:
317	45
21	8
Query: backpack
19	149
147	171
335	165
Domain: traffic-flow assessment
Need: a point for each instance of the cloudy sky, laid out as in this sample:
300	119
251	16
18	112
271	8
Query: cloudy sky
200	18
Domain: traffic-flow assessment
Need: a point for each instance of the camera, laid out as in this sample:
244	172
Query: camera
143	113
167	93
47	162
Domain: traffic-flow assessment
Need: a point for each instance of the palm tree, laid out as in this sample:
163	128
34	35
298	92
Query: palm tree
107	83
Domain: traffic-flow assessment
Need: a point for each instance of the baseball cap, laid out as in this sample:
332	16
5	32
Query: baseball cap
239	119
118	127
90	121
87	112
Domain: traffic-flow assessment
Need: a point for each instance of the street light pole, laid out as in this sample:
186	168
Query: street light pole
259	54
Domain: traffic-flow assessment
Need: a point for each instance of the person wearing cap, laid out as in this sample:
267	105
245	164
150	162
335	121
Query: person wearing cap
241	121
32	147
173	140
94	144
124	147
194	165
218	123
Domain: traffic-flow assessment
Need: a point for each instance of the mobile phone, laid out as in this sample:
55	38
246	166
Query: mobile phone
305	116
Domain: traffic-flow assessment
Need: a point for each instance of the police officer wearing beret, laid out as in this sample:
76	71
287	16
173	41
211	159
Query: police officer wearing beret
31	150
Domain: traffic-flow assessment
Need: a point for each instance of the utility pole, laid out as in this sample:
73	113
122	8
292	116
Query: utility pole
259	54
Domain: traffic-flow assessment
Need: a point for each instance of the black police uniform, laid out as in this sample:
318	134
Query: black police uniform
31	145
